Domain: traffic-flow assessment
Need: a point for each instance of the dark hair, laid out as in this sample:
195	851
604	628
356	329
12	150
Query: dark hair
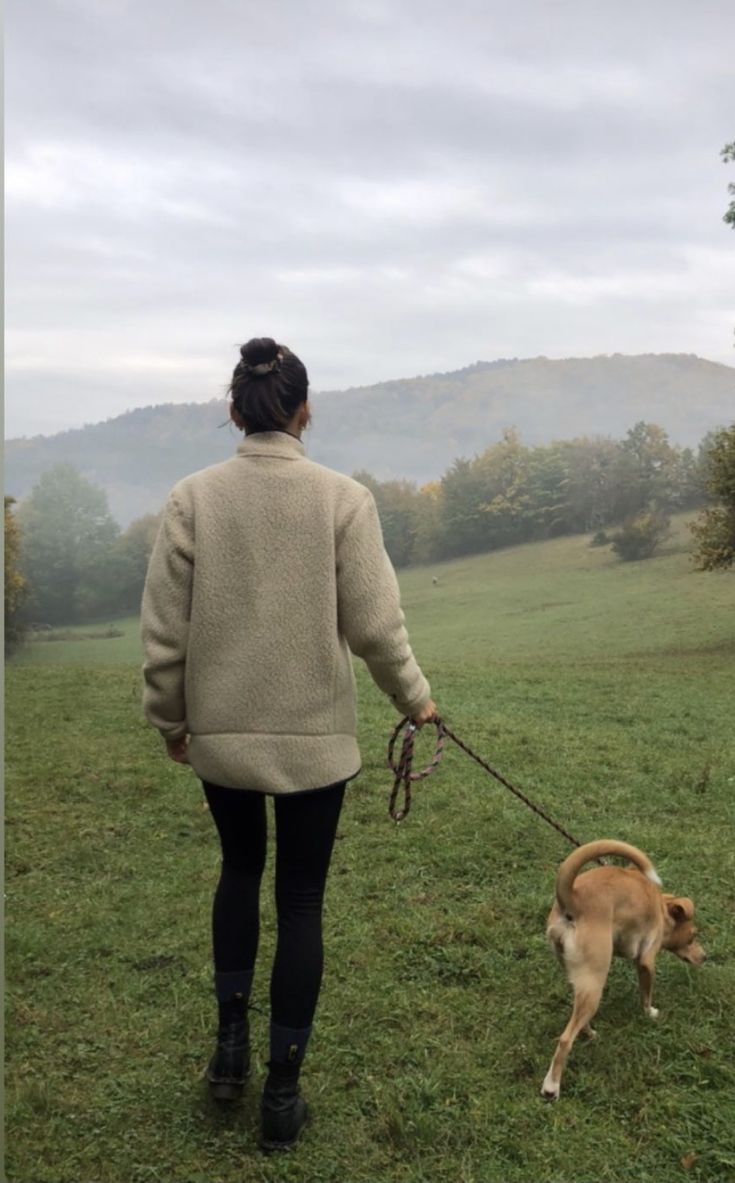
268	385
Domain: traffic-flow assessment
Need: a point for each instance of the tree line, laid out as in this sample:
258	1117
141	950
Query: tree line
67	560
512	493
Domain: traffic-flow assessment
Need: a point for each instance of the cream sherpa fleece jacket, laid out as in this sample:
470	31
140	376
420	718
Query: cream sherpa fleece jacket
267	570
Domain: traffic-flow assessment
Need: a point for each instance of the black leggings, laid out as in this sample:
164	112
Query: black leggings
306	824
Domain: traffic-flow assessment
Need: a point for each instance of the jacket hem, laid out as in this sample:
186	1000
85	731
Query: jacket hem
274	763
294	793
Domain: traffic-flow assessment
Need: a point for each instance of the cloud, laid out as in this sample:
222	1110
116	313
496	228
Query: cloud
392	189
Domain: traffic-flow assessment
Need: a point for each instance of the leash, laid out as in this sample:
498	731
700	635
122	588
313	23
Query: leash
404	774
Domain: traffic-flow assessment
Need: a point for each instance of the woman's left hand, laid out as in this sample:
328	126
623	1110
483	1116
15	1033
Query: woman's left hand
178	749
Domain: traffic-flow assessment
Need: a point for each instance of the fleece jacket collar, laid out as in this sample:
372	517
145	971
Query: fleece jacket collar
272	443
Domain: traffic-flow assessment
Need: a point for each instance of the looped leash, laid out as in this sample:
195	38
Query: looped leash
403	773
402	769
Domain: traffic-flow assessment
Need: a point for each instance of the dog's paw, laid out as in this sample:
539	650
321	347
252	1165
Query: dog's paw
590	1032
550	1088
652	1012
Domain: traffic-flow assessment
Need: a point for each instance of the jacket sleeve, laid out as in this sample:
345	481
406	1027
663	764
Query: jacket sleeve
165	621
369	610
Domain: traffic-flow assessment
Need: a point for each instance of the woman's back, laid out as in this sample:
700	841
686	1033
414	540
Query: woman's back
278	566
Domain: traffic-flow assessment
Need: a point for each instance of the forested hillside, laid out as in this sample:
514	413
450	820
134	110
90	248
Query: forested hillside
408	429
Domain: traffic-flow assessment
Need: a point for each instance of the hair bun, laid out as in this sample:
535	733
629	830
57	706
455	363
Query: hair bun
259	351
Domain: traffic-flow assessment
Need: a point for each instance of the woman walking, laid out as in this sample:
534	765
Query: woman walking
267	571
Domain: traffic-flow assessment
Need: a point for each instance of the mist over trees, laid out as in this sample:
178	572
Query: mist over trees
130	556
76	563
68	534
67	560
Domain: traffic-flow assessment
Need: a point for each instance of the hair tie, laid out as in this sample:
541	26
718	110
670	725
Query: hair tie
264	367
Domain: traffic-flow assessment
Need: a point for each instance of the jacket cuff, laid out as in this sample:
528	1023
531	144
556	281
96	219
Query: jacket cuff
175	731
412	706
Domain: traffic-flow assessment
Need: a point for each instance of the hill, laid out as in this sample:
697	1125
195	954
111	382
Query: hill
409	428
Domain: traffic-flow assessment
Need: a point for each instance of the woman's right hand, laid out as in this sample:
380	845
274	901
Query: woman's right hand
178	749
425	715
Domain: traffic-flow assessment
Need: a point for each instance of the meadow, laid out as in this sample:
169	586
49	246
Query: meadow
604	690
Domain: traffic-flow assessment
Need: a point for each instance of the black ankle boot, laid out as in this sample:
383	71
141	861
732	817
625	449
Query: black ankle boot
283	1109
230	1063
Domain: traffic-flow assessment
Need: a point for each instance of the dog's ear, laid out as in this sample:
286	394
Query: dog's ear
680	909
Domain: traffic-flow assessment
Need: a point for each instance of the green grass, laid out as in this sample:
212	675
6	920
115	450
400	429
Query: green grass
81	644
605	691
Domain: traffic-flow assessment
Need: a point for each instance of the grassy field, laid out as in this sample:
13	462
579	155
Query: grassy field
85	645
603	689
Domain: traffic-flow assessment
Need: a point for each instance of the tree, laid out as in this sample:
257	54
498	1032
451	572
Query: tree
714	530
646	475
462	524
728	154
68	536
16	586
548	510
590	487
506	504
397	504
686	480
485	501
427	523
130	555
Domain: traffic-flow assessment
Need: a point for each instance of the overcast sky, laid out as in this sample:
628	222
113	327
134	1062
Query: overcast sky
391	188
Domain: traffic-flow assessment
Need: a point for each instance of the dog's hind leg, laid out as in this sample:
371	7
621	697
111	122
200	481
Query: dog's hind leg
586	1001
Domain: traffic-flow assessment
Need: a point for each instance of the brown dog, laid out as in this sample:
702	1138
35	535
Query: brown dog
611	910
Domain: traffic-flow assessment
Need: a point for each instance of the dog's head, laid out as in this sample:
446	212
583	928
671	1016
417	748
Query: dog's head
681	933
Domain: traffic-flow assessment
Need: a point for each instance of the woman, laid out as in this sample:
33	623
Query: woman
267	570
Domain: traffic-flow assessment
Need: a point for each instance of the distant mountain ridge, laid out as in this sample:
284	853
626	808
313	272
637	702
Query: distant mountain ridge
410	428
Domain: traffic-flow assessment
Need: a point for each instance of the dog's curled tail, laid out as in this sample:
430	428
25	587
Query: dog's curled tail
571	866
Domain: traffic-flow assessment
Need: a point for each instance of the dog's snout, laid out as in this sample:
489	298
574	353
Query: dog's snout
697	955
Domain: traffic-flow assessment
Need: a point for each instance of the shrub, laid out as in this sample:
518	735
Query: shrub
639	536
599	539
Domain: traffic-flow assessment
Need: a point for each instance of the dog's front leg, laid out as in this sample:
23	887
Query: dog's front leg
646	967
